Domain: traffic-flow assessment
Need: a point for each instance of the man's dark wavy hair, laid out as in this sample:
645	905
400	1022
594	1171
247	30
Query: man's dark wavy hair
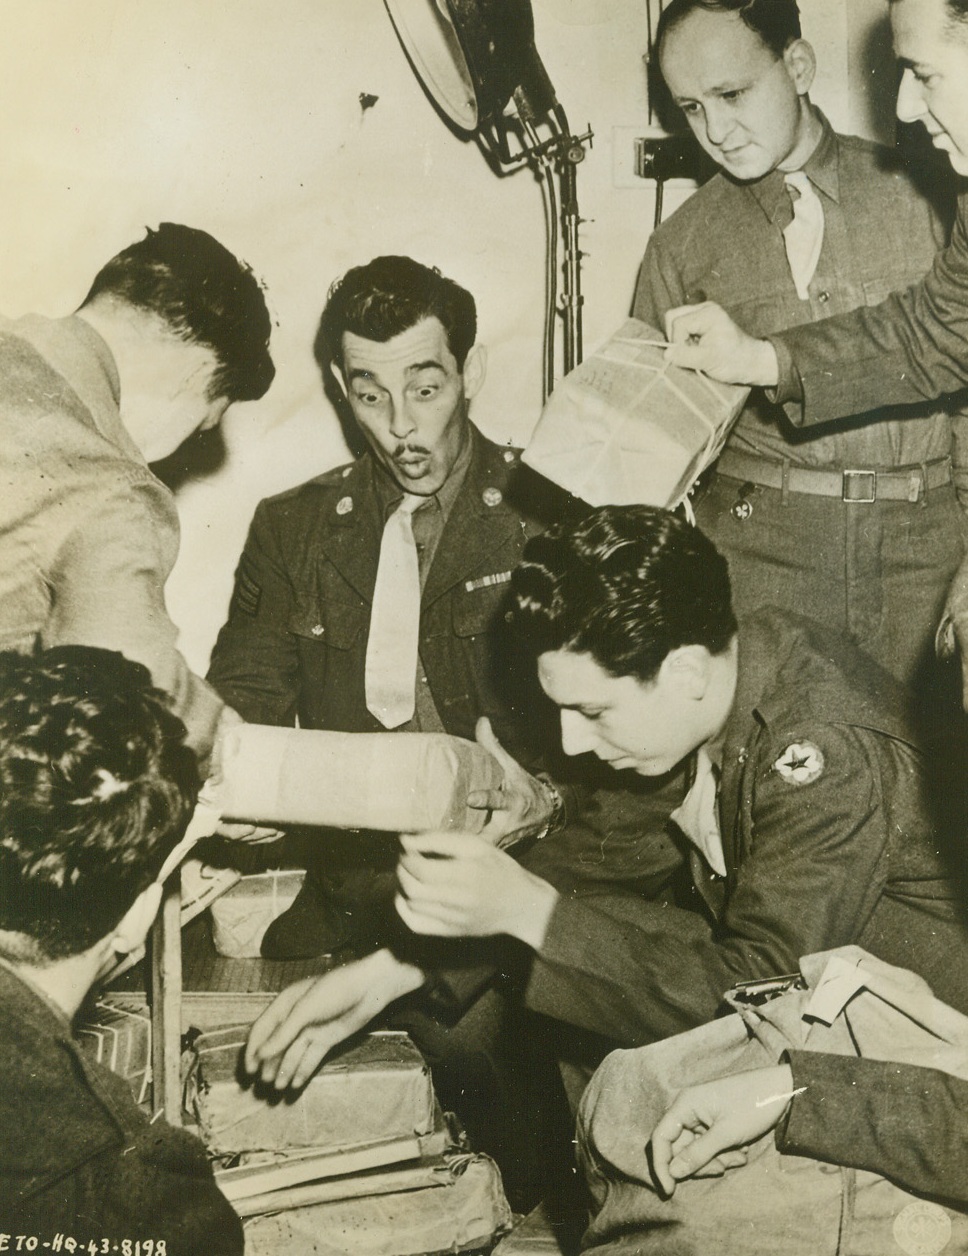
627	585
388	296
777	22
205	295
96	787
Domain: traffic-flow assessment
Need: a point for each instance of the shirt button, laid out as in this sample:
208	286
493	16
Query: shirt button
824	297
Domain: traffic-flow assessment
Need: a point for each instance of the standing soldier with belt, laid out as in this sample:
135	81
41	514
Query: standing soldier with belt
858	525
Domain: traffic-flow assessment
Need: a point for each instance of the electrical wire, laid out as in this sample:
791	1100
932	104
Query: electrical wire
549	199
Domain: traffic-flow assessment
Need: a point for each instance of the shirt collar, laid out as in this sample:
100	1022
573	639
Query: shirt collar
821	168
714	747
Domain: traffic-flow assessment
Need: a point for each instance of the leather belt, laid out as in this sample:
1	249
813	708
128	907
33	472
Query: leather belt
901	484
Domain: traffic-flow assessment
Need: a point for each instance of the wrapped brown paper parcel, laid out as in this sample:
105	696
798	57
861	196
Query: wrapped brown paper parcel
465	1212
377	1090
625	427
242	914
395	782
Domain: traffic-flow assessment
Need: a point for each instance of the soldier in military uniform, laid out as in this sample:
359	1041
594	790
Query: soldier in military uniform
323	612
803	819
806	823
372	598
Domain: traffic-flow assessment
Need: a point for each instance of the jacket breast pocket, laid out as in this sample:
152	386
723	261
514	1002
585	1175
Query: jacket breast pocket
337	625
762	314
878	290
476	612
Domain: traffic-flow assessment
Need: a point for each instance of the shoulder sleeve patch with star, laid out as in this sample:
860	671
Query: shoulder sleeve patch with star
800	763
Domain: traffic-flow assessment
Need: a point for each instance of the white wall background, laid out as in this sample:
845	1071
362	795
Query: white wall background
243	117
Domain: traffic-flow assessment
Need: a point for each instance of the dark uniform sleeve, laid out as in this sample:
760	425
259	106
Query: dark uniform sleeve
638	971
160	1186
618	843
911	347
140	1180
903	1122
255	661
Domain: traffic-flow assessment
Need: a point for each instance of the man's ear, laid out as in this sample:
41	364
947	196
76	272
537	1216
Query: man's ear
801	63
132	930
688	669
475	369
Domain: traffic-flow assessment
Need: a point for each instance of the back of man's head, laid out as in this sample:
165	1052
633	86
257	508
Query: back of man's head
626	585
96	787
388	296
204	295
777	22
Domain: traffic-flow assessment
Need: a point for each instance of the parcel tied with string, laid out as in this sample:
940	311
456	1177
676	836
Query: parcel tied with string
376	1090
391	782
626	427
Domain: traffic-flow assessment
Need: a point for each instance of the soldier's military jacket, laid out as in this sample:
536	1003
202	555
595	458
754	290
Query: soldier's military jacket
828	839
295	640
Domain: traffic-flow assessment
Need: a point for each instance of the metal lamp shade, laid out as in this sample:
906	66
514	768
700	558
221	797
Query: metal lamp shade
471	55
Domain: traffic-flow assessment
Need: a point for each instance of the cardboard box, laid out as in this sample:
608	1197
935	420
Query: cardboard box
204	1009
627	428
378	1089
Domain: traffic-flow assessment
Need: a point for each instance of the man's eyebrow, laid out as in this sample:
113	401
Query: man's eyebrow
360	372
716	89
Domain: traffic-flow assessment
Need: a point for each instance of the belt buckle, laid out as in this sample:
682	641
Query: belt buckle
859	486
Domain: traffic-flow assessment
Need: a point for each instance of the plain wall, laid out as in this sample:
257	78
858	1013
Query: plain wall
244	117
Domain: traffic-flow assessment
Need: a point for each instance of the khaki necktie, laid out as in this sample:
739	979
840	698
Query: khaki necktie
803	236
394	640
698	813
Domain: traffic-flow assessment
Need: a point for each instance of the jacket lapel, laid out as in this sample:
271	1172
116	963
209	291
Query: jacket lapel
741	733
353	544
735	755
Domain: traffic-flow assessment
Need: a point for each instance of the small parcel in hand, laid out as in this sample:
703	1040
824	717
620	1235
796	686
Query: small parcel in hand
625	427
